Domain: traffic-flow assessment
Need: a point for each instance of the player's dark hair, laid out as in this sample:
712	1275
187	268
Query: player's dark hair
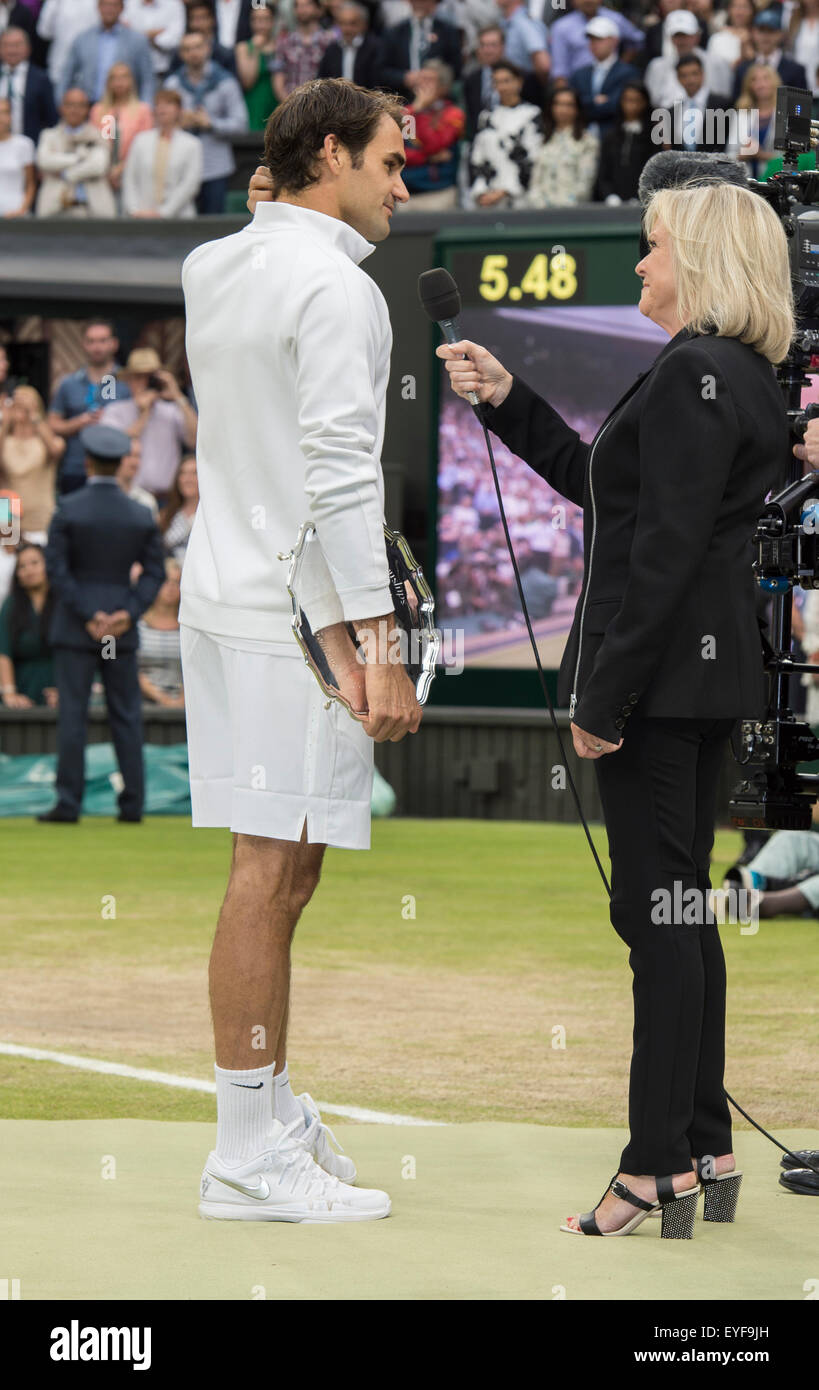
295	132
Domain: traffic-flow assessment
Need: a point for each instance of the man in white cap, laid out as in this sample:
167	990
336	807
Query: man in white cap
570	46
599	83
664	87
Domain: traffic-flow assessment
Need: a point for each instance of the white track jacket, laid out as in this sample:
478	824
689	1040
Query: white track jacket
288	343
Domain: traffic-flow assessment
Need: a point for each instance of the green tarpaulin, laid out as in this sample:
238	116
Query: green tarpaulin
27	783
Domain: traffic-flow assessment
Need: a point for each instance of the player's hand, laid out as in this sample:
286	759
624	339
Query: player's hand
260	188
585	745
393	708
341	657
480	372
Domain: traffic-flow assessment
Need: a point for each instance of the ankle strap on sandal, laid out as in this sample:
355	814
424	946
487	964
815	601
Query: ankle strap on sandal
620	1190
665	1189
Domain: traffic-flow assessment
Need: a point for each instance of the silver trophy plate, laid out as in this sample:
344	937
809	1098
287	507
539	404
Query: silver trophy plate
329	644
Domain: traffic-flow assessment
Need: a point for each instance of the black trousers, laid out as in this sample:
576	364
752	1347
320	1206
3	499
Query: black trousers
75	671
659	793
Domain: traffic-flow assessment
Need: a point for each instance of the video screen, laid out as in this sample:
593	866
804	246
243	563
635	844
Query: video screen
581	359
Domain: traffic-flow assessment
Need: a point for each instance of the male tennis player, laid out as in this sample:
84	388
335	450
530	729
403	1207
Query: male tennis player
289	344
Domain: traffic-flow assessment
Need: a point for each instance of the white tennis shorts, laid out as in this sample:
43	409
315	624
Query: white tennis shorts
264	754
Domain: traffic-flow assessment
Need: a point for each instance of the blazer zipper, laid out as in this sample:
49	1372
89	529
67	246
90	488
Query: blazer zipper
573	700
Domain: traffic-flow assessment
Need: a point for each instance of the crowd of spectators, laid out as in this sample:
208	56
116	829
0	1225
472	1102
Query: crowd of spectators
42	460
475	580
132	107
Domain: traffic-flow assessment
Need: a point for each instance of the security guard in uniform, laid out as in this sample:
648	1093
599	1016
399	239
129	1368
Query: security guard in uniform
96	536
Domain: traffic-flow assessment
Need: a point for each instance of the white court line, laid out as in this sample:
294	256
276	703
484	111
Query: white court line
190	1083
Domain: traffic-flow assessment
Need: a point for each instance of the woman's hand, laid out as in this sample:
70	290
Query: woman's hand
479	372
260	189
586	745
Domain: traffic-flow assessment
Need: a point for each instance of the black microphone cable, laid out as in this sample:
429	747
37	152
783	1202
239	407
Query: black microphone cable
478	411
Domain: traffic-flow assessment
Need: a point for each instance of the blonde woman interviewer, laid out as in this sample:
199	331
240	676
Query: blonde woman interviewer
664	653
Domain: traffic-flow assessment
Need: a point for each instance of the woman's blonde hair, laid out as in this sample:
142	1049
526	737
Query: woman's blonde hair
729	254
746	99
108	101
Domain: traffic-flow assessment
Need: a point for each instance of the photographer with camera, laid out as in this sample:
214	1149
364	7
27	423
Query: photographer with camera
664	654
159	415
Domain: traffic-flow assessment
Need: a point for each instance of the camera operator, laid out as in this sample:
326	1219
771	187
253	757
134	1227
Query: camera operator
664	654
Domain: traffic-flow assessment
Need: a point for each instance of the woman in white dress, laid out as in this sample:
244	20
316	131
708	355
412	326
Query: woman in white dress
565	167
506	142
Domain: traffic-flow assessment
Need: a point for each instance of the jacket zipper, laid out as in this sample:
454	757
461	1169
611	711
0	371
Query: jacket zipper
573	700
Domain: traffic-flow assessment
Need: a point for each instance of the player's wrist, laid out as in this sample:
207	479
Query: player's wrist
379	639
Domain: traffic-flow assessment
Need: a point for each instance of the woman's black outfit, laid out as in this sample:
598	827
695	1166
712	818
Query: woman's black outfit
623	155
665	652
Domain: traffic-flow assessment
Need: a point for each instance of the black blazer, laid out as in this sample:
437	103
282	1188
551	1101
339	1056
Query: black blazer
243	22
367	65
395	52
94	538
671	488
39	110
623	153
604	113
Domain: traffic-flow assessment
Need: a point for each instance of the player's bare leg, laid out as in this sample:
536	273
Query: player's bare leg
266	1165
270	884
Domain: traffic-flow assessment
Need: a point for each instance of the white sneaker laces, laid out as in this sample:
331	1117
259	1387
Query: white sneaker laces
317	1131
302	1170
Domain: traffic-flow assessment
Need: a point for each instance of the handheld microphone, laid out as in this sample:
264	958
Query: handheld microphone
439	295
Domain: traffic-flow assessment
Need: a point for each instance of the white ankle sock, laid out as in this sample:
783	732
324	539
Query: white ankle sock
243	1110
285	1105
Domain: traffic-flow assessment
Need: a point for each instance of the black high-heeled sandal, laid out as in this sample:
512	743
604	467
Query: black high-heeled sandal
721	1193
677	1210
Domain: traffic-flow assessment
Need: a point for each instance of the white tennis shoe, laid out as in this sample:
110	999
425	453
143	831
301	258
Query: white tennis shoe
284	1184
316	1139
